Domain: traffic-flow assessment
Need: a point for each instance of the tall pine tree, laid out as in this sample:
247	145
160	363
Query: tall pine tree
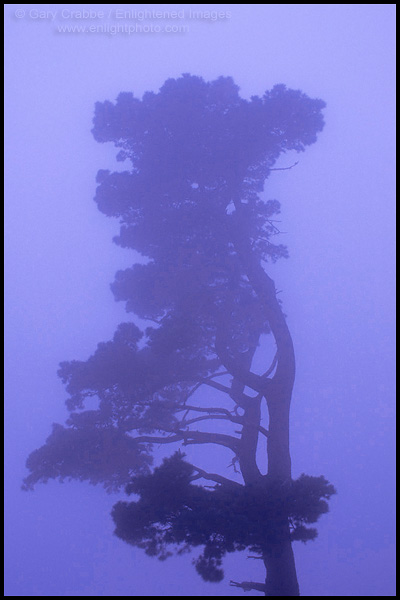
191	204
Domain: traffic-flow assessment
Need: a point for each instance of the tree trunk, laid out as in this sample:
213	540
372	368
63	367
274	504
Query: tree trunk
281	579
279	462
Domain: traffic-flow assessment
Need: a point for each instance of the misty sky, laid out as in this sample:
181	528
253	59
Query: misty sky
338	216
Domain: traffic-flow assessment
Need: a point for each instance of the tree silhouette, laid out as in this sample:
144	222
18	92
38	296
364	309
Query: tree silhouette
190	203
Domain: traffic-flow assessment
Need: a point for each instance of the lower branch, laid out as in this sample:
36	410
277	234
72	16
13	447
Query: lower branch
214	477
247	586
192	437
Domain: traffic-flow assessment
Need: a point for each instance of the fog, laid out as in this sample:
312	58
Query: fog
337	219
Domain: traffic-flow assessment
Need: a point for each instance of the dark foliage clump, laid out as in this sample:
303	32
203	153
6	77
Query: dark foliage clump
174	514
97	454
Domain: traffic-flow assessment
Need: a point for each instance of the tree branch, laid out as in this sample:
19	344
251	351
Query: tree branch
217	386
225	411
192	437
247	586
227	416
256	382
202	437
218	374
285	168
209	381
272	367
215	477
239	399
205	418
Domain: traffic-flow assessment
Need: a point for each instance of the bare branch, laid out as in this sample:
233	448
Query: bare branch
237	398
193	390
272	367
247	586
215	477
264	431
218	374
155	439
285	168
225	411
233	464
217	386
225	417
210	382
192	437
202	437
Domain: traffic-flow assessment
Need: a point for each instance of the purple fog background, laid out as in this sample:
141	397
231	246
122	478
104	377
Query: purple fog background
338	215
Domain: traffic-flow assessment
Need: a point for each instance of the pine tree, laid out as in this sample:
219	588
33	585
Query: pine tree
192	204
